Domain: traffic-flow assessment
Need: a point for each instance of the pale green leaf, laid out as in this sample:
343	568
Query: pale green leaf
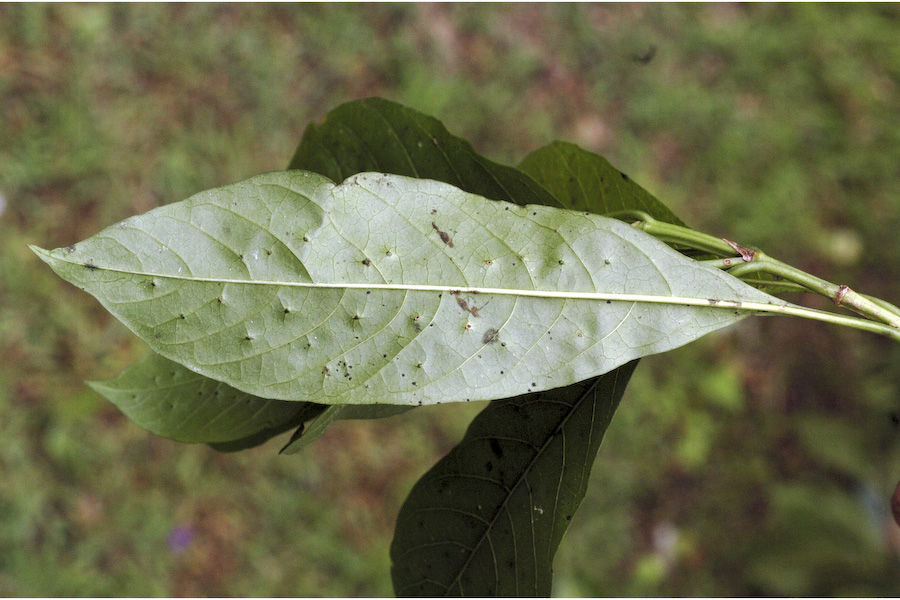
386	289
487	519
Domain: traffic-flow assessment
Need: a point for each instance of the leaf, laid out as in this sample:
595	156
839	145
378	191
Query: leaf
487	519
374	134
304	436
167	399
386	289
586	181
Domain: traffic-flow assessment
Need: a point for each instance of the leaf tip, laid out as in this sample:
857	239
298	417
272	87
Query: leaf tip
39	251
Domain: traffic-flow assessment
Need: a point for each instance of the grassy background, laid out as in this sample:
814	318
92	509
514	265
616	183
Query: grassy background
757	461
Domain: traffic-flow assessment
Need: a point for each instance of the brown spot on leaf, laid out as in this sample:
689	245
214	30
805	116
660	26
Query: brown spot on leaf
490	336
472	310
445	237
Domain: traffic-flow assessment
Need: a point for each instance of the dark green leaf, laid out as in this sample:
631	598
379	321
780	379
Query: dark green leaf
378	135
487	519
171	401
582	180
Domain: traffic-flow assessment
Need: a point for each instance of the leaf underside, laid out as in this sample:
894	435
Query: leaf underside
174	402
288	287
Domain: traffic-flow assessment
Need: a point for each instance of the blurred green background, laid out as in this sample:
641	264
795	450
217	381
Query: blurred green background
758	461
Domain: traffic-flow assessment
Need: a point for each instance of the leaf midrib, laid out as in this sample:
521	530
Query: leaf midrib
452	289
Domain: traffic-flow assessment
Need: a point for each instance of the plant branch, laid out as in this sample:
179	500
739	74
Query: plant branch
752	262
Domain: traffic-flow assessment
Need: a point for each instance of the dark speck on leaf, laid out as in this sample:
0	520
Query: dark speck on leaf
90	266
496	448
624	176
490	336
71	249
445	237
366	262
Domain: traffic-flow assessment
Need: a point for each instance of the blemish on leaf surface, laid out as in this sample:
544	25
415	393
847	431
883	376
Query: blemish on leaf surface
490	336
445	237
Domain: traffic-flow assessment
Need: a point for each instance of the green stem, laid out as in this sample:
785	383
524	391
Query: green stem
841	295
753	261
